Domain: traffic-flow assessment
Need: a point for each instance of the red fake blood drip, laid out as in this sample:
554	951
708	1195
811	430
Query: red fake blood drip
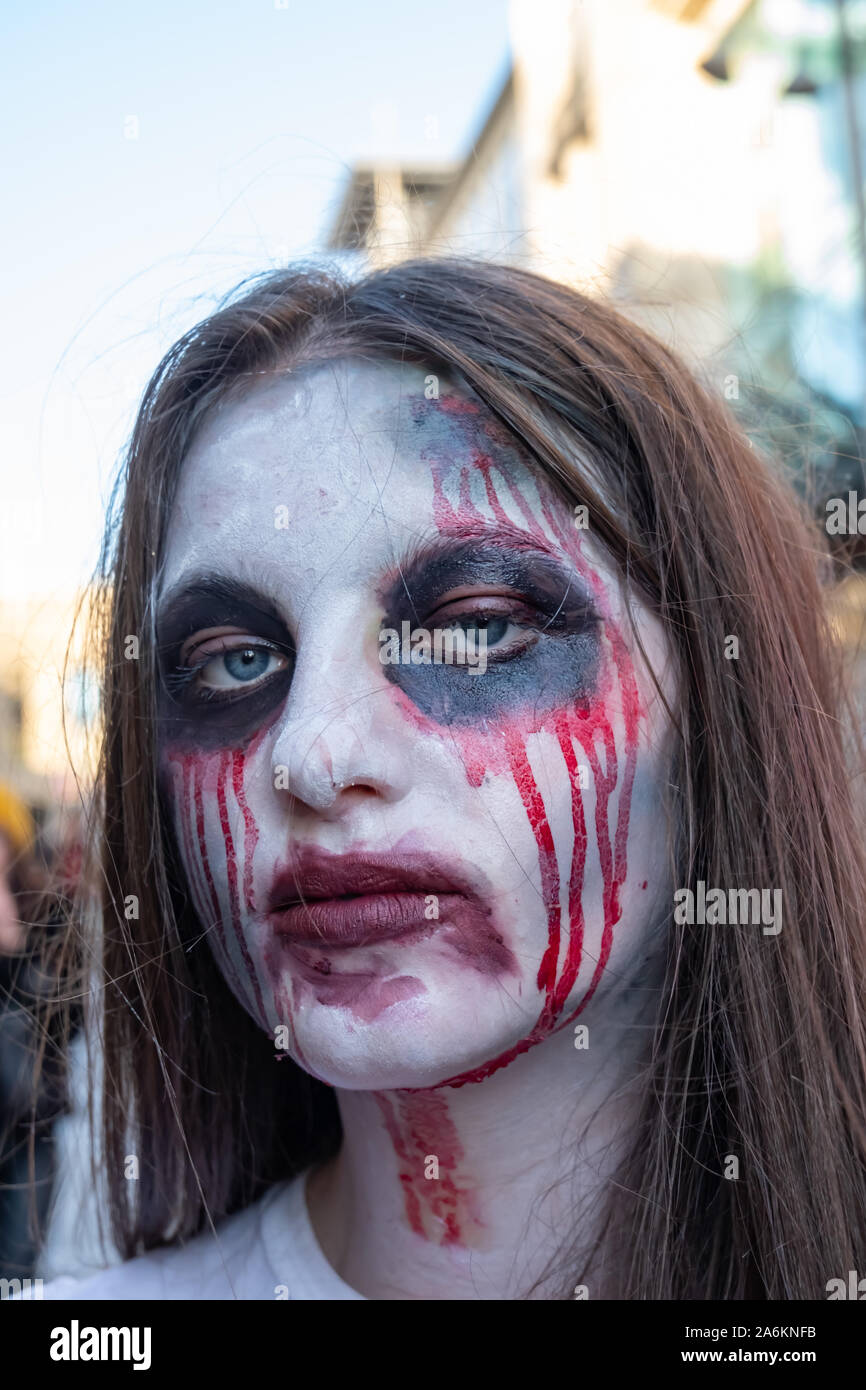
225	760
534	806
443	512
202	849
251	830
584	725
191	818
422	1131
218	771
235	760
485	463
574	954
467	506
613	869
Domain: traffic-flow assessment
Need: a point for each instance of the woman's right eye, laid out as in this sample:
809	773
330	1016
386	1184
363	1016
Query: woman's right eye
225	668
240	666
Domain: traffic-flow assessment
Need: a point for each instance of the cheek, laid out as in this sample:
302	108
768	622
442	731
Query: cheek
598	759
216	834
596	733
586	800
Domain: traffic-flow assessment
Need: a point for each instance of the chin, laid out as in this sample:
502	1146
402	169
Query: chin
402	1048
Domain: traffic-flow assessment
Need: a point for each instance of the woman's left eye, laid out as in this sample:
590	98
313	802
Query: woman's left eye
238	666
494	626
501	633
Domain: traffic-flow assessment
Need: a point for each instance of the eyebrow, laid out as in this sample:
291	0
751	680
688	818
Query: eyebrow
500	532
479	552
469	552
184	608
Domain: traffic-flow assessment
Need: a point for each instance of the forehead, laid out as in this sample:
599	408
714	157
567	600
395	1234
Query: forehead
342	464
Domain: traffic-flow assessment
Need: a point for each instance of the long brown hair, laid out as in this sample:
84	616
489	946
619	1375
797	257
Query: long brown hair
759	1052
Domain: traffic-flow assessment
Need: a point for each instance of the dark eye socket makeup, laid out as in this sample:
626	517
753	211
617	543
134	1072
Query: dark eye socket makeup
201	625
227	655
487	566
504	575
232	657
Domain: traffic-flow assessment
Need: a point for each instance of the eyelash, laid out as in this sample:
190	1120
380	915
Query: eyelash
519	617
521	614
181	681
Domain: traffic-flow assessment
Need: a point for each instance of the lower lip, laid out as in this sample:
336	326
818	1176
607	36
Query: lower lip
362	921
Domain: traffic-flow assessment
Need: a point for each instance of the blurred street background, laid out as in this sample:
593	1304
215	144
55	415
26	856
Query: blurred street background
699	162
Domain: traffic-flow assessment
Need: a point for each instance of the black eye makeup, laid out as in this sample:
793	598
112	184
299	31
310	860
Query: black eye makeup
226	660
541	629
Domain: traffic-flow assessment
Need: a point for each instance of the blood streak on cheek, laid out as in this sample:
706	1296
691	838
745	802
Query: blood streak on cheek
587	724
196	771
504	751
221	775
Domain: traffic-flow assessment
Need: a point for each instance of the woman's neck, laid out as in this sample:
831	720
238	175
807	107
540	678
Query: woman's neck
471	1192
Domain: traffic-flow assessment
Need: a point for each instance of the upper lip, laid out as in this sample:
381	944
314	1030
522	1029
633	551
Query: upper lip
314	875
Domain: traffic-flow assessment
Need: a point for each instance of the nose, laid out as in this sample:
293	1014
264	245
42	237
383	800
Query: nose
338	744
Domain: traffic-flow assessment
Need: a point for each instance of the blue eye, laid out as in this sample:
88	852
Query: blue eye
240	666
494	627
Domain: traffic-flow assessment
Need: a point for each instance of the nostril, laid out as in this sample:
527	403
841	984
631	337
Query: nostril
360	787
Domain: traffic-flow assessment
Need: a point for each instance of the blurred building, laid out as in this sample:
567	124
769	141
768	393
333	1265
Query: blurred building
690	159
685	156
387	210
48	699
610	159
698	163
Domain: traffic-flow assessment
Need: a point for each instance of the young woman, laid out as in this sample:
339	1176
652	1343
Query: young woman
484	897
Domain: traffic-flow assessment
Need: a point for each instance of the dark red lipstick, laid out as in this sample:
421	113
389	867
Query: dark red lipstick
339	901
358	899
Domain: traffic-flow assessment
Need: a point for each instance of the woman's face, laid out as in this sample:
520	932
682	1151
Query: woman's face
414	869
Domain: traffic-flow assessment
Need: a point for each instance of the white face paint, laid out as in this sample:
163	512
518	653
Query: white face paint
481	853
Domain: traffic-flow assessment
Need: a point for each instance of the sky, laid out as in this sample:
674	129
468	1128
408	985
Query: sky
154	156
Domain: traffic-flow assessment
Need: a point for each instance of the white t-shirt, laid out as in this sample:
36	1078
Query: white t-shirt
267	1251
